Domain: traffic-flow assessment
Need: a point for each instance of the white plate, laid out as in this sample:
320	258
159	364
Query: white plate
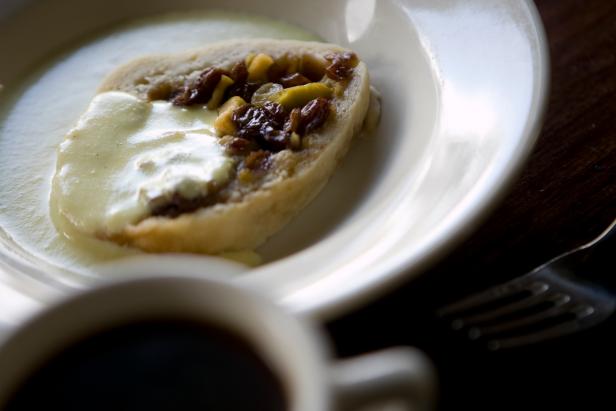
464	87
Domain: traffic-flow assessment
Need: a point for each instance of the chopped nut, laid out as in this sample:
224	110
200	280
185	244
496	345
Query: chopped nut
224	122
231	104
312	66
295	141
219	92
245	176
339	88
249	59
258	67
293	63
299	95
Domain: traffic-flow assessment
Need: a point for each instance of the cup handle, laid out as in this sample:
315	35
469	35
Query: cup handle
404	374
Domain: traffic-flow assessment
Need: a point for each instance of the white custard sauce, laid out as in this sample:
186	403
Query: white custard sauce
126	153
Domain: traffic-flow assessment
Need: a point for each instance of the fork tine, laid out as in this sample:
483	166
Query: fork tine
558	330
536	298
484	297
553	312
585	318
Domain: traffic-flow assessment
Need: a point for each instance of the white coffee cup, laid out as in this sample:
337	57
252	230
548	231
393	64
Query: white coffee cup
292	346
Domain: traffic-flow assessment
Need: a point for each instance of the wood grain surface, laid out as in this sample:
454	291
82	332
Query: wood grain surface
565	196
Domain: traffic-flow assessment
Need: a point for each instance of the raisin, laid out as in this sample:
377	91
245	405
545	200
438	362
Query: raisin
250	120
181	96
275	112
239	72
243	90
292	123
262	124
201	91
276	140
341	65
313	115
240	87
292	80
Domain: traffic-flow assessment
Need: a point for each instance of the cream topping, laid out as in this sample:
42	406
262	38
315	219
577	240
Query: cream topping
126	154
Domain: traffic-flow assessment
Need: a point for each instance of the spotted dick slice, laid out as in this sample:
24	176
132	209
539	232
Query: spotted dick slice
260	200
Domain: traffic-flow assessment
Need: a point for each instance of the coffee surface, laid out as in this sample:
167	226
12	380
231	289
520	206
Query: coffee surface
154	365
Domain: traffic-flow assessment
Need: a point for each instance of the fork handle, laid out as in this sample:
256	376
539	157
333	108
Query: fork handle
597	261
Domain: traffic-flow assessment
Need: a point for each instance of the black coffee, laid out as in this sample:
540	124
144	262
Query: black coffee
154	365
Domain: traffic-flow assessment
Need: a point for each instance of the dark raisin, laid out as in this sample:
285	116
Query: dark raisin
258	123
243	90
250	120
313	115
276	140
292	123
201	91
240	114
239	72
180	97
257	160
240	86
292	80
276	113
341	65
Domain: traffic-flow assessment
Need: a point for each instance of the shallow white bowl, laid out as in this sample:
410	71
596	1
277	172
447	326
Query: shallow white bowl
464	85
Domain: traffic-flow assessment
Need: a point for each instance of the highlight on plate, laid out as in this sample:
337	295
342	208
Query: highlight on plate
209	151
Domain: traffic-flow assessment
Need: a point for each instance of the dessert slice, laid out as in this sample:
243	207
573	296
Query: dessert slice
213	150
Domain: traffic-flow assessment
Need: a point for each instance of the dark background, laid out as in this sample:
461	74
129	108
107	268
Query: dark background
565	196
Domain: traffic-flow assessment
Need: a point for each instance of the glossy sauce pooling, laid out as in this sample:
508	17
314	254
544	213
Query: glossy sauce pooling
161	365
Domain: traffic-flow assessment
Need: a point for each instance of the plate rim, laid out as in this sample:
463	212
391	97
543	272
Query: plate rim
341	301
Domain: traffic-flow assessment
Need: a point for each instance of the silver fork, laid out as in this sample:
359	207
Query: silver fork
558	298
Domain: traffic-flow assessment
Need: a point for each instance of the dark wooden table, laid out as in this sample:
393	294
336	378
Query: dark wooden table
565	197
